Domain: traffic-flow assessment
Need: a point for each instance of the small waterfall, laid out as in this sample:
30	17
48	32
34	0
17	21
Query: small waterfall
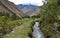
37	32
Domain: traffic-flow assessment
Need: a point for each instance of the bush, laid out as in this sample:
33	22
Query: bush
6	25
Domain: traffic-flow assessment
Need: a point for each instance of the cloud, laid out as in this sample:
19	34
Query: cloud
35	2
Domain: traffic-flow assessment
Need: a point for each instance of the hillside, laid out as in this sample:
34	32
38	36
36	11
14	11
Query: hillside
22	31
10	8
29	10
48	17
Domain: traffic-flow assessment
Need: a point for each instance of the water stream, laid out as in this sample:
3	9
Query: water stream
37	32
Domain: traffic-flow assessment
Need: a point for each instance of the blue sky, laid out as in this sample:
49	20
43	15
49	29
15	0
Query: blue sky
34	2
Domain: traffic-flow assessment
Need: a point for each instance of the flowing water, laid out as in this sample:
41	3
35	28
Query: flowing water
37	32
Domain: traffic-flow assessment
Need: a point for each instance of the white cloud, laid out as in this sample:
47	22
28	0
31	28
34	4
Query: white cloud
36	2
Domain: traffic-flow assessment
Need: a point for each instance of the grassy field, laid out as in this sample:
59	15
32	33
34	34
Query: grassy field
22	31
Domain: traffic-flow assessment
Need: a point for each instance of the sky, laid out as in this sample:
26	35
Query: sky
33	2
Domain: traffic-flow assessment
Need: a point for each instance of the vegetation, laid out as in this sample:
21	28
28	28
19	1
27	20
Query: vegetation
22	26
7	23
49	19
22	31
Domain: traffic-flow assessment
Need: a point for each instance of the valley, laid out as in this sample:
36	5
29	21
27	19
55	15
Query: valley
18	21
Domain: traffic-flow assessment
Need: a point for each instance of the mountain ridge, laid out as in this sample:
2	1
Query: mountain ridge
29	9
11	8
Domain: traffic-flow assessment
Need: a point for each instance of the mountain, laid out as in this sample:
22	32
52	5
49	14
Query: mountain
10	8
29	10
21	6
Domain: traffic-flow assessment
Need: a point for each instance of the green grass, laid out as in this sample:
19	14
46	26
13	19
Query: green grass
21	31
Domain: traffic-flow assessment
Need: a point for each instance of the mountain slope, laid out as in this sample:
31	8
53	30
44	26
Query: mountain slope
9	7
29	10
